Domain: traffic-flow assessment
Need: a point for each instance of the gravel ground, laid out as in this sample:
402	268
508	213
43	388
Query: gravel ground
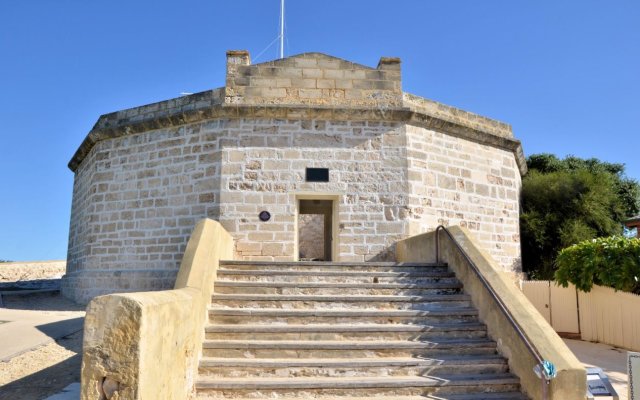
47	370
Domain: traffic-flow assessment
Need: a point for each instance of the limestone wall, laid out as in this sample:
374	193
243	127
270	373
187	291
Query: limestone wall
135	200
264	167
312	79
137	197
458	182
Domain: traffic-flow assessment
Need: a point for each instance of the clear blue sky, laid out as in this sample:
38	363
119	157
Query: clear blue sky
565	74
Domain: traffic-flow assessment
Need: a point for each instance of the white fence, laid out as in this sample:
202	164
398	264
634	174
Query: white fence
602	315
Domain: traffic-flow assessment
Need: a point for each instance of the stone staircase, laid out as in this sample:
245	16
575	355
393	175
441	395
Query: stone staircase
347	331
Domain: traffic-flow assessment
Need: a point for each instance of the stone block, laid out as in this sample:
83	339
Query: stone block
312	73
310	93
272	249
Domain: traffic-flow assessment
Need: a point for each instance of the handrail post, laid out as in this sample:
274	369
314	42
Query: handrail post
438	229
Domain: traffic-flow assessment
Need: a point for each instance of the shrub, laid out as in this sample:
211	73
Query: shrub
612	261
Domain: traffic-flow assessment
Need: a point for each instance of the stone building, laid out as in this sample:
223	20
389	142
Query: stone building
285	147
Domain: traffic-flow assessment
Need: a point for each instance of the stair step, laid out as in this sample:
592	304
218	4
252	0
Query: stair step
343	345
344	349
327	288
300	316
354	386
345	312
347	266
315	273
346	298
345	331
351	362
347	383
358	301
335	276
335	367
349	330
475	396
345	328
443	396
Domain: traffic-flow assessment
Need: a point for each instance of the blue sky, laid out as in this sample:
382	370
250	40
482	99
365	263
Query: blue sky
565	74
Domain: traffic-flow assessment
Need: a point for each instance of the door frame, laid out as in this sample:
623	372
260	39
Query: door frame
335	220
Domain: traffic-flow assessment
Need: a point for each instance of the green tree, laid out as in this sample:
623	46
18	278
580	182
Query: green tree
627	188
568	201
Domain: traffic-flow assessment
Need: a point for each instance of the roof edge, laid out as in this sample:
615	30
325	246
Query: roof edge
210	106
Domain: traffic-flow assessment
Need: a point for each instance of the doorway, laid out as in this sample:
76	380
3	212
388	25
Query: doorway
315	230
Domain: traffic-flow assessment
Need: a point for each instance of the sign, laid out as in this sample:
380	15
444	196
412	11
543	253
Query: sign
264	216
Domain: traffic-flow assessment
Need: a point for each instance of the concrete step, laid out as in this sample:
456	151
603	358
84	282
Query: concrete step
357	386
333	266
283	275
340	367
477	396
340	316
336	301
345	349
324	288
346	332
440	396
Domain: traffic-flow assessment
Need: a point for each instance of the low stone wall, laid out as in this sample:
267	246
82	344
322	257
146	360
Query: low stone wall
32	270
147	345
570	383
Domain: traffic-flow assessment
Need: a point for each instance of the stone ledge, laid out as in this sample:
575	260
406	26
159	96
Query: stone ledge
456	115
119	124
124	334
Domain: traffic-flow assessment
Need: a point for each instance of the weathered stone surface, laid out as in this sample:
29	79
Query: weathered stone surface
128	352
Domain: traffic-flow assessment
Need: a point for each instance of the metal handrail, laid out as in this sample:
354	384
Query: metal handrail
493	293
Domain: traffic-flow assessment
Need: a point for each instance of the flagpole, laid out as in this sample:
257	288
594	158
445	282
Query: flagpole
281	28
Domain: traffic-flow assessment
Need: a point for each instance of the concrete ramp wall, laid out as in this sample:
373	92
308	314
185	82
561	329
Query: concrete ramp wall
460	251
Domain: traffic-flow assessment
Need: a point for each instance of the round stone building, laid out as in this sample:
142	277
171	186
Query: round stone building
306	157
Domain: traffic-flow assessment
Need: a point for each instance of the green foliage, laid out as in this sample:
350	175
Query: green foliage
567	201
628	189
612	261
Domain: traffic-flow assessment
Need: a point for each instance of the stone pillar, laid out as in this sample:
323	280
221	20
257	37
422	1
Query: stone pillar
235	59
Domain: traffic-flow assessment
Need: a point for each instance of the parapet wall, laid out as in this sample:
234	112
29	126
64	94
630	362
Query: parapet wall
140	346
312	79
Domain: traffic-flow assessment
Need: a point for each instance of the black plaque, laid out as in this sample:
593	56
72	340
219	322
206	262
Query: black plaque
317	175
264	216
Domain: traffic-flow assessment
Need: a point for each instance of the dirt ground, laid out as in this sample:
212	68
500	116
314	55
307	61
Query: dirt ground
44	371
